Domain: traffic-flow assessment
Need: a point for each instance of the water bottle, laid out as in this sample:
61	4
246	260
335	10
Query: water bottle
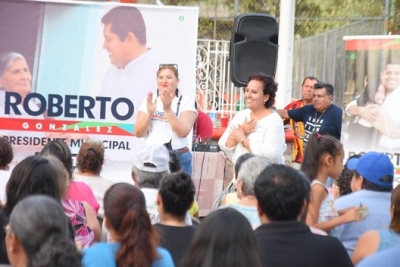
213	116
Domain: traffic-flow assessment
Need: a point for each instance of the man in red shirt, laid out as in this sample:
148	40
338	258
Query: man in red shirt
307	89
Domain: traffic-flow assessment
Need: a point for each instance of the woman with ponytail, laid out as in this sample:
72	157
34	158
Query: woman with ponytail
133	241
34	241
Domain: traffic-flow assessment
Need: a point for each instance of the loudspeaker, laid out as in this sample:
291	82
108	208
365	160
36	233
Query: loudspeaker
253	47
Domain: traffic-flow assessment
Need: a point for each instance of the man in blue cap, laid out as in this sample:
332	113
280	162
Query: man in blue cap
374	175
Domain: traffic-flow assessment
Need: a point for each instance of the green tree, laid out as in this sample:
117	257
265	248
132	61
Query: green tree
312	16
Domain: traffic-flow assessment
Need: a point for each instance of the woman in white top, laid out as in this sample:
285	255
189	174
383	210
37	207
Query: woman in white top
257	129
168	117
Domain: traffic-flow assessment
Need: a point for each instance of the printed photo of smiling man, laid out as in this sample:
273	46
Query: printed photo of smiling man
134	64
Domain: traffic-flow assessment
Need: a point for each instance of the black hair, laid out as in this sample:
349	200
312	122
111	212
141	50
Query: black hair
174	161
6	152
281	192
367	185
33	175
224	238
124	19
344	180
177	193
317	146
270	86
328	87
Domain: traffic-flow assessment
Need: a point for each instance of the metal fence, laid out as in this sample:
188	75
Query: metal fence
322	56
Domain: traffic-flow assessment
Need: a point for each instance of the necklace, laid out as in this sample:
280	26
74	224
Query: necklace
315	116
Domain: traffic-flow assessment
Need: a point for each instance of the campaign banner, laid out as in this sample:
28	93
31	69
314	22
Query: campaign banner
372	96
75	71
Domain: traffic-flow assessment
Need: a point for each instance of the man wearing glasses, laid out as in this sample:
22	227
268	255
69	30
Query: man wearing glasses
134	66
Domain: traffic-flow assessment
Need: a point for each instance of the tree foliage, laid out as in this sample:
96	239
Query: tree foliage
312	16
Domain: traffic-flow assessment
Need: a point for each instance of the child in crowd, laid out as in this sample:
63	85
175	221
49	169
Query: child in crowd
344	185
323	158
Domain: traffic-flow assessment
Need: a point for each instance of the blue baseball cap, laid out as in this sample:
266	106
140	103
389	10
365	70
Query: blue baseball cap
373	166
351	164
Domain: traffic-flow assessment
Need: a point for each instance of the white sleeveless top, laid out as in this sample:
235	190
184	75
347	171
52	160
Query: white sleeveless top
327	211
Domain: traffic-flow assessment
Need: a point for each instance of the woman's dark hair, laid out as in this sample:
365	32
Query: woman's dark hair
174	162
240	161
270	86
90	157
224	238
40	224
317	146
344	180
177	193
33	175
395	202
60	150
125	210
6	152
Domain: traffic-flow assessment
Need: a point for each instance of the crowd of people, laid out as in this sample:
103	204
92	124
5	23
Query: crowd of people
316	212
58	214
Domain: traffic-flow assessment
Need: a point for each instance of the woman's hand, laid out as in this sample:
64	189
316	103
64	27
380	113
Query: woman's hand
151	106
368	112
166	99
238	134
248	126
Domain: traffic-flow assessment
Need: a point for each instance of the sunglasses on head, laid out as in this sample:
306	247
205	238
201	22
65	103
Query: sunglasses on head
169	65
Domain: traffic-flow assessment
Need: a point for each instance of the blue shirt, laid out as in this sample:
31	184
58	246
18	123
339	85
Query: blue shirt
250	213
104	254
378	217
388	239
387	258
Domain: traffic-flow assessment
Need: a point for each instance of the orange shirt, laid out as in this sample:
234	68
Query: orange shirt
298	128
